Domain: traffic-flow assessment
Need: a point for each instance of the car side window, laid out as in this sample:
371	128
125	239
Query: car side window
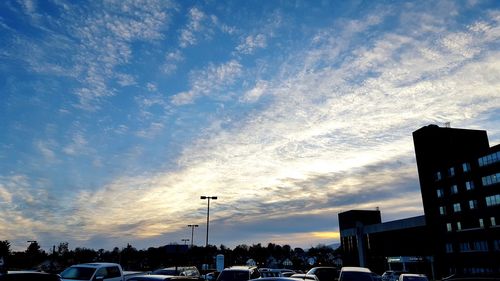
113	272
101	272
254	274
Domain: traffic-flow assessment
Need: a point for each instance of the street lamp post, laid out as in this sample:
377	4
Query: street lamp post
192	232
208	213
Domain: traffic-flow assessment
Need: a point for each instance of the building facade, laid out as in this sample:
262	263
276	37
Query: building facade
459	177
398	245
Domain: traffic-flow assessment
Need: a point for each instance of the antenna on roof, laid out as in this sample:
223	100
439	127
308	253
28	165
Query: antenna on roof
447	125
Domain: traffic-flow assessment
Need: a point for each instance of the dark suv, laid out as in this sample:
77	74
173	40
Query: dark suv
239	273
325	273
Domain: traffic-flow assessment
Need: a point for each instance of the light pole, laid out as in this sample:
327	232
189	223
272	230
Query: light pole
192	232
208	213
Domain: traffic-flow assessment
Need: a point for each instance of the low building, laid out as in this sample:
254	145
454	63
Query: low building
395	245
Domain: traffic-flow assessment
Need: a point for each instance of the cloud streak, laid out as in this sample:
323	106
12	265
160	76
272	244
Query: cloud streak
287	130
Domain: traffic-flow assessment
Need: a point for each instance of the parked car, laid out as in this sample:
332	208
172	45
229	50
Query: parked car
275	272
191	271
325	273
304	276
391	275
275	279
28	275
351	273
412	277
160	277
93	271
239	273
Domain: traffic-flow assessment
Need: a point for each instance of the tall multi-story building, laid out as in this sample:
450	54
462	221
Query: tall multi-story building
459	177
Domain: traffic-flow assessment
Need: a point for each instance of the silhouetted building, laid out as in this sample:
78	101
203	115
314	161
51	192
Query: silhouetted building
398	245
460	184
459	177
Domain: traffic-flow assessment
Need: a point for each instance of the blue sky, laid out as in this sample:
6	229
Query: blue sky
115	116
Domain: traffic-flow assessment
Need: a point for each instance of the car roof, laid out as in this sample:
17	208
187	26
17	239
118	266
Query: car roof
239	267
304	276
356	269
95	264
277	279
150	276
178	267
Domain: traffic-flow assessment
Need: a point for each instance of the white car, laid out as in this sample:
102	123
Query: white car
412	277
352	273
101	271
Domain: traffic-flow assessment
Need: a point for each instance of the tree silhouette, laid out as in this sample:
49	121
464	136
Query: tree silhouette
4	248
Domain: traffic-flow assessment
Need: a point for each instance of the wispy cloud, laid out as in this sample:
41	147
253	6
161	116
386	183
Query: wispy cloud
171	61
46	148
196	19
77	146
251	43
256	92
209	81
318	124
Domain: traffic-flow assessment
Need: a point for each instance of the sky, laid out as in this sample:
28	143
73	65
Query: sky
116	116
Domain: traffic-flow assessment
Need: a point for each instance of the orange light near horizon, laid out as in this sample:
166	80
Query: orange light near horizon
326	235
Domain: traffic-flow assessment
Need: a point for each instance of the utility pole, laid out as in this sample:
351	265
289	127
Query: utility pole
208	213
192	232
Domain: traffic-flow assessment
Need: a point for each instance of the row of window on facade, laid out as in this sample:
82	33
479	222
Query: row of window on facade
469	185
482	161
492	200
474	246
449	226
489	159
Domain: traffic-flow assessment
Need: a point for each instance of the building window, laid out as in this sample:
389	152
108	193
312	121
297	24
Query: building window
493	221
454	189
465	247
459	226
481	223
469	185
451	172
466	167
457	208
442	210
440	193
449	248
472	204
491	179
481	246
493	200
489	159
448	227
438	176
496	245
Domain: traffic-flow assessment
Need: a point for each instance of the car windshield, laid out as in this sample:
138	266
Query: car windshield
78	273
233	275
415	278
356	276
166	271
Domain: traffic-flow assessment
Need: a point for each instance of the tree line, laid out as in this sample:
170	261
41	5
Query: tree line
272	256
